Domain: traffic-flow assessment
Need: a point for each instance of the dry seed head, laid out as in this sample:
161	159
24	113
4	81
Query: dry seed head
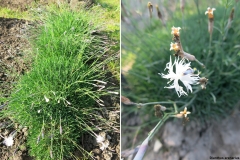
126	101
158	114
203	82
158	12
230	18
176	31
182	4
157	107
175	47
231	15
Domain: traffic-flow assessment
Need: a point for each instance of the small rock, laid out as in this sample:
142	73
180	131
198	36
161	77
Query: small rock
109	137
157	146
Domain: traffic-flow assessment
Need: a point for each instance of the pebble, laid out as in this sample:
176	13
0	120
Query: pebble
157	146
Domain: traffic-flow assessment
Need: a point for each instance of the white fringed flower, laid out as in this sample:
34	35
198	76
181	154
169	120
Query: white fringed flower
183	72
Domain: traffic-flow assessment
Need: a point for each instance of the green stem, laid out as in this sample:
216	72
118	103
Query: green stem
151	103
200	63
156	128
183	24
209	50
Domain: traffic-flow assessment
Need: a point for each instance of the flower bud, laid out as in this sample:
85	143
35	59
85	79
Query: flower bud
150	8
210	19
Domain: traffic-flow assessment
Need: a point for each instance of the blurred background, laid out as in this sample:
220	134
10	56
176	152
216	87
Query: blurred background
214	125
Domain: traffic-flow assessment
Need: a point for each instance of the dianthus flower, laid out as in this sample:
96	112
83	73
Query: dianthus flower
183	72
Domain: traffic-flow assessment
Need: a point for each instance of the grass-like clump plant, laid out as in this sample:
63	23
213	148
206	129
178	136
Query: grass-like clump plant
61	93
203	70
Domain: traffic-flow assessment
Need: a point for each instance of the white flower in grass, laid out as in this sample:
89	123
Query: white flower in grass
100	139
8	141
183	72
104	145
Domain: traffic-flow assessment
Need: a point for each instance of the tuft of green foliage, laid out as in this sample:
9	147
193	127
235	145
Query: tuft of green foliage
56	99
149	41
